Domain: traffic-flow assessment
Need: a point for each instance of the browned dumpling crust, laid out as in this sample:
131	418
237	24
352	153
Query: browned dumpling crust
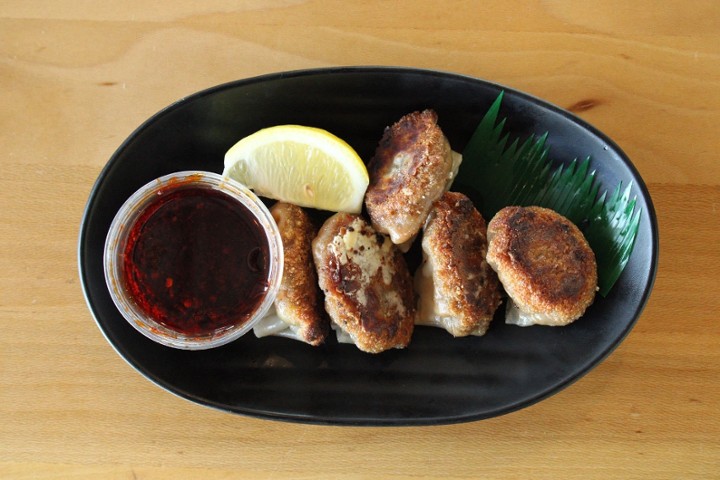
458	291
367	286
544	263
413	165
298	302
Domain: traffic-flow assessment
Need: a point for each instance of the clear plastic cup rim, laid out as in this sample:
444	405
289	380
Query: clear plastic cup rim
124	221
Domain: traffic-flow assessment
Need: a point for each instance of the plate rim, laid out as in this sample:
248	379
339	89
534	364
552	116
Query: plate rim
267	414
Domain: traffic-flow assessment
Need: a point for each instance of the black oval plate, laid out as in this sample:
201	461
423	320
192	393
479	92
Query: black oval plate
437	379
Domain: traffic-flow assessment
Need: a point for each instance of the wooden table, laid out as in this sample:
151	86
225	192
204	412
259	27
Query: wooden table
77	77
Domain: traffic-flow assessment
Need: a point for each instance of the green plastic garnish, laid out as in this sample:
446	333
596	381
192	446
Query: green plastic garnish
495	175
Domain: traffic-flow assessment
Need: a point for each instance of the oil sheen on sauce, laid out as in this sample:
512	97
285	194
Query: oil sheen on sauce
196	261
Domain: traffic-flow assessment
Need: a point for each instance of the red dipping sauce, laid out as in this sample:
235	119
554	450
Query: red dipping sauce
196	261
193	260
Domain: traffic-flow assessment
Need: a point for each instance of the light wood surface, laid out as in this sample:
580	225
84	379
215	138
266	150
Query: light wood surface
76	77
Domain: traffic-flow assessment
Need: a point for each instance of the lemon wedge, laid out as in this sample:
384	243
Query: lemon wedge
307	166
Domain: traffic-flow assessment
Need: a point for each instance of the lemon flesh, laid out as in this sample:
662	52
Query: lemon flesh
307	166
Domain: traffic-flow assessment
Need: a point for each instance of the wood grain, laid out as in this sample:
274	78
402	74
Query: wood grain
77	77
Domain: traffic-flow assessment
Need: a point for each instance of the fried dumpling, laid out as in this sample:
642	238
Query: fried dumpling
545	265
297	312
457	289
368	289
413	165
